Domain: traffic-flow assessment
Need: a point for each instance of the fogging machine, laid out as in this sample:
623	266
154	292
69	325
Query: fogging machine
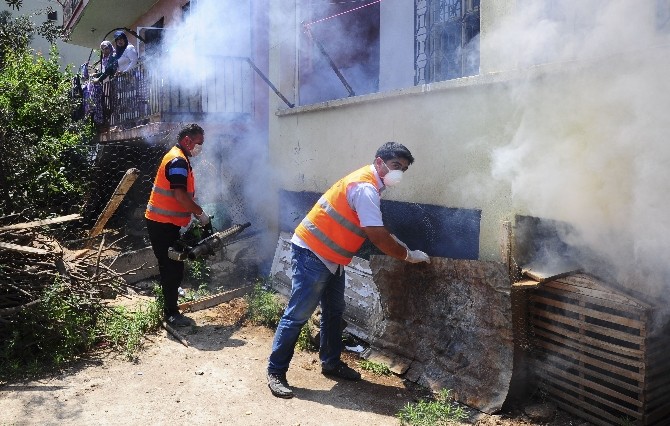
209	243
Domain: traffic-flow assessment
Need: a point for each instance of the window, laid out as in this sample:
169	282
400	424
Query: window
446	39
339	49
153	37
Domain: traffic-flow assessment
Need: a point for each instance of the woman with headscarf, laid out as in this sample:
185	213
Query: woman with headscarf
108	63
96	100
126	54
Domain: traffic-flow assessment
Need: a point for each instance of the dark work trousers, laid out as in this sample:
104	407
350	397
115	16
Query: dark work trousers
162	237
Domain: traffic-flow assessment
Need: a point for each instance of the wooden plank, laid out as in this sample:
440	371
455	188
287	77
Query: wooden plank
115	200
597	294
556	360
624	410
214	300
586	340
588	282
506	248
43	222
575	323
22	249
573	406
526	284
637	376
582	310
591	385
568	341
544	277
563	290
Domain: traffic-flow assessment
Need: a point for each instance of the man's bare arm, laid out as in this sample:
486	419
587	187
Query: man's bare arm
381	237
186	201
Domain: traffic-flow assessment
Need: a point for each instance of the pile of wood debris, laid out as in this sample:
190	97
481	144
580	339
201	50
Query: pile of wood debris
30	261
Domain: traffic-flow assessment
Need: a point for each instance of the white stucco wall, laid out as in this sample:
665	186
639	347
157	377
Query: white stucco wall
556	140
69	53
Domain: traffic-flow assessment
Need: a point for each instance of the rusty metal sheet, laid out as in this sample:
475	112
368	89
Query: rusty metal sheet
453	319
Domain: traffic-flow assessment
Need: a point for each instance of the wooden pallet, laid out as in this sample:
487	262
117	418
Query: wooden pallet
593	354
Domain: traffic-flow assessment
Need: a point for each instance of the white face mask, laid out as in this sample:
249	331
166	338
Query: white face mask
196	150
392	177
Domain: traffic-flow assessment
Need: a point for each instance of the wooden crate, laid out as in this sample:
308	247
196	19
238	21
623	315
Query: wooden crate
595	354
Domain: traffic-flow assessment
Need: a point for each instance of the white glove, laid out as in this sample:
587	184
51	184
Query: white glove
203	218
416	256
400	242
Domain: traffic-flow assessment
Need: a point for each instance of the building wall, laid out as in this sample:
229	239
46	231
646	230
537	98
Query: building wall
69	54
461	130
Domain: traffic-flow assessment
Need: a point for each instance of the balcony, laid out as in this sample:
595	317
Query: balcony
144	95
87	20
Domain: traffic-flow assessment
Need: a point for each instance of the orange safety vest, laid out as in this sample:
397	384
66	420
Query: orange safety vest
332	228
163	206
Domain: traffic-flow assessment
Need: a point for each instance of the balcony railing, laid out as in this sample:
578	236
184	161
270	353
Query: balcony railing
144	94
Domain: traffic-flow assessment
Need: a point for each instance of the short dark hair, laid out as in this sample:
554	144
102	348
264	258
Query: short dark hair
190	130
391	150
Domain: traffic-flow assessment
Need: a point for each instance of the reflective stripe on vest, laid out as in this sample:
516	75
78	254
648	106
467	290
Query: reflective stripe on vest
324	239
167	192
163	206
164	212
332	229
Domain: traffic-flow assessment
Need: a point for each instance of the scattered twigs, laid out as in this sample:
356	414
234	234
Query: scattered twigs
28	273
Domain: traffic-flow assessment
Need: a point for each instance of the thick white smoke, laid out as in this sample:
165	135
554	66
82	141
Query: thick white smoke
591	144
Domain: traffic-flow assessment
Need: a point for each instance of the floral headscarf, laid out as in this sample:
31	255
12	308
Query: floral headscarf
105	59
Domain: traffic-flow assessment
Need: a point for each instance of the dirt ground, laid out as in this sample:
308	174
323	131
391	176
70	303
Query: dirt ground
218	379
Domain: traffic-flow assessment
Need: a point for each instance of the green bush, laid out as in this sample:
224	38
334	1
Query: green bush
125	329
375	367
304	342
50	333
440	411
46	158
264	307
65	324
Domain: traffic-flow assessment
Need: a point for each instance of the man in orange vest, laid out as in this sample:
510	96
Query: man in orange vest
326	240
170	207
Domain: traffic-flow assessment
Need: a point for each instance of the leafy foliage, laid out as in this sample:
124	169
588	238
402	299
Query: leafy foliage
124	329
375	368
65	324
264	306
304	342
440	411
50	333
45	160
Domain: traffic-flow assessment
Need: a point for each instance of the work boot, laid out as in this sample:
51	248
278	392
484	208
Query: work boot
179	320
279	386
342	371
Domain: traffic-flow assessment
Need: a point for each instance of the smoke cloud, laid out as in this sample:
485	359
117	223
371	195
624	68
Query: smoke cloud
590	146
203	59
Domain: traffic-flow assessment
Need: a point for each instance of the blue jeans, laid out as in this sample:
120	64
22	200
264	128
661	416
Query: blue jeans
312	283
